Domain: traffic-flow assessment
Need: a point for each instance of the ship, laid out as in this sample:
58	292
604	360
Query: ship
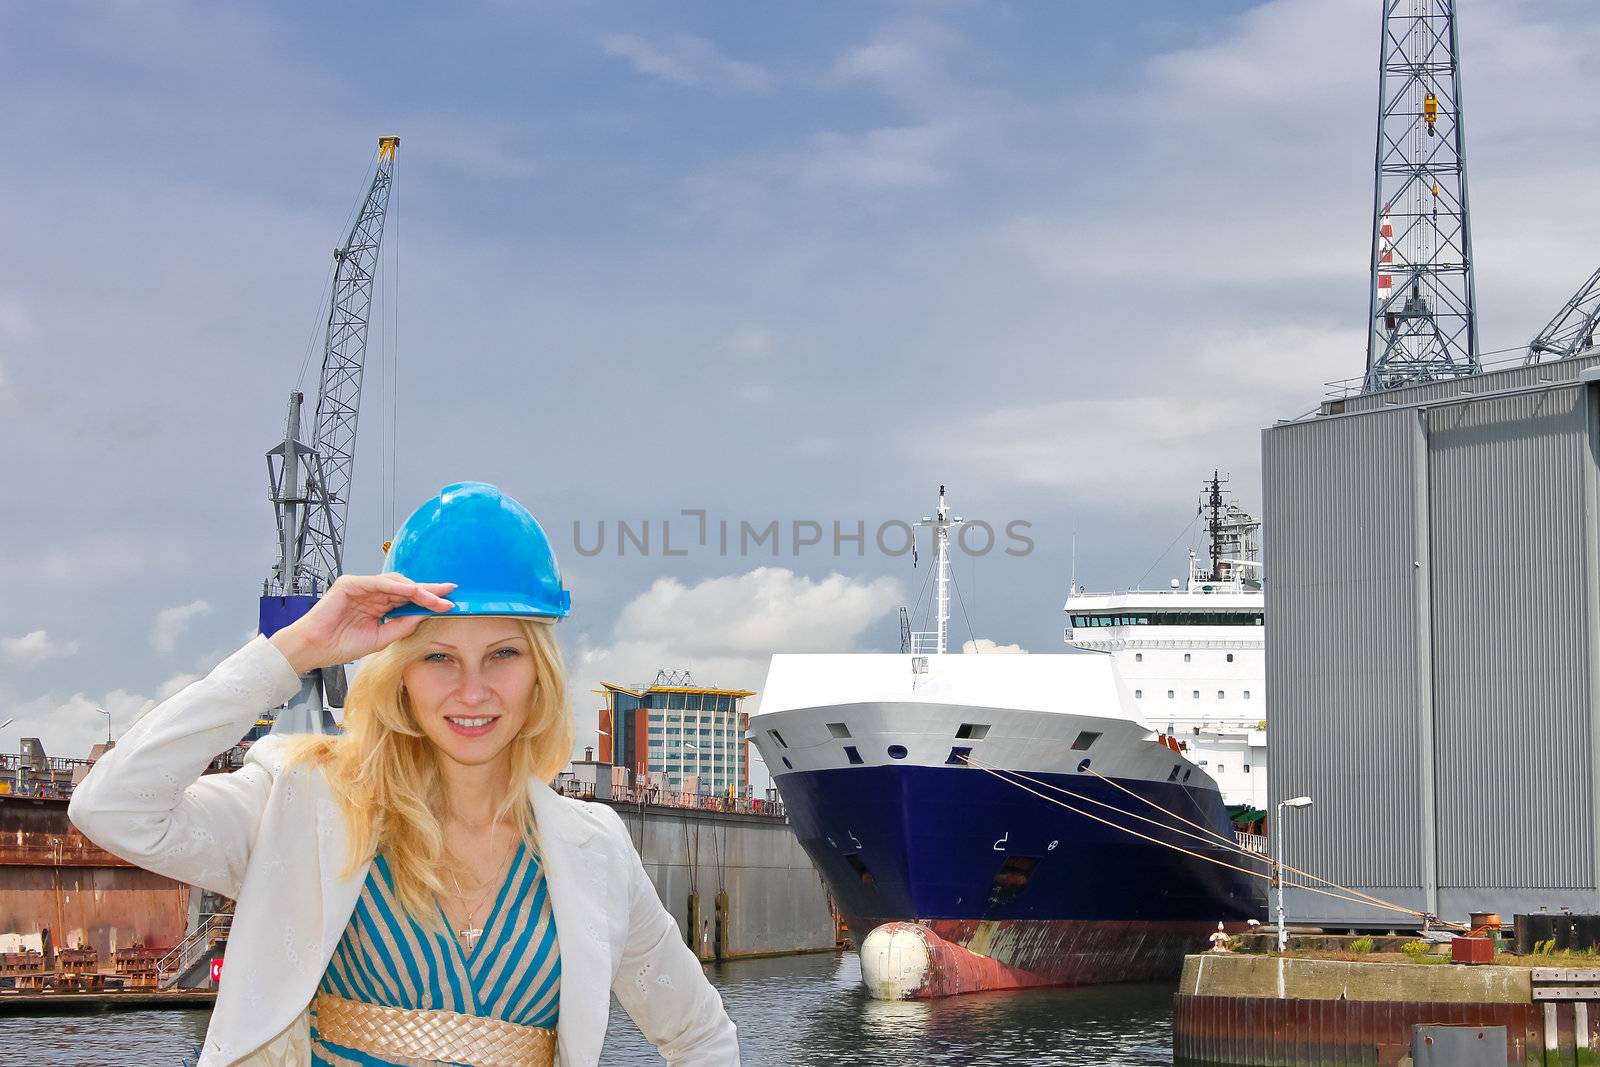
1194	654
999	821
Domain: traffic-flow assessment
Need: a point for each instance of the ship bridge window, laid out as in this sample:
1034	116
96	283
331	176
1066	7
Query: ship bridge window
1011	879
776	736
1171	618
1084	739
838	729
975	731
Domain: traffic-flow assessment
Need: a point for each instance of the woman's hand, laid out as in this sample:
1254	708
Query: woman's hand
344	625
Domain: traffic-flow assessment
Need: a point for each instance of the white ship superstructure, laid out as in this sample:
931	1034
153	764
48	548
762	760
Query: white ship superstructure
1193	655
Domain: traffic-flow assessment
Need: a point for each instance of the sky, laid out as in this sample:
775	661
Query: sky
769	263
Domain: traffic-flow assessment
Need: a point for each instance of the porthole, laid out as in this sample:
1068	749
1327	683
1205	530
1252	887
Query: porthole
897	752
787	764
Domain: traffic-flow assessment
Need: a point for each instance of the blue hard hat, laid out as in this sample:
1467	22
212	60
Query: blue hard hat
489	545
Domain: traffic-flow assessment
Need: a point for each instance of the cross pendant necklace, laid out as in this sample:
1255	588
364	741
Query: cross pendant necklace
468	932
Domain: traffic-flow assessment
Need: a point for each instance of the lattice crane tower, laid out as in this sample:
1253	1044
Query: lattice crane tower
1423	320
309	482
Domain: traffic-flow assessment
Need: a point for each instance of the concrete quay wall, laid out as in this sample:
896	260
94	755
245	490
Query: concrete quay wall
1270	1011
737	885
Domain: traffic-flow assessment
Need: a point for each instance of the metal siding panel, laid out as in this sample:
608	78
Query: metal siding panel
1511	646
1338	523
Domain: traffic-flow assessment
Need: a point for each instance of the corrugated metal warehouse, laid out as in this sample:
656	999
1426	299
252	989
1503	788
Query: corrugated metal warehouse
1433	644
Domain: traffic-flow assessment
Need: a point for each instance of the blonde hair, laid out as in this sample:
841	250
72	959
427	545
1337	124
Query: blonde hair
384	771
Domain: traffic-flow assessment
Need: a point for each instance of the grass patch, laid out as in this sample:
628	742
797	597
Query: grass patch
1361	944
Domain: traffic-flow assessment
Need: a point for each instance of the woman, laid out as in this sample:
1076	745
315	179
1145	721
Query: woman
410	891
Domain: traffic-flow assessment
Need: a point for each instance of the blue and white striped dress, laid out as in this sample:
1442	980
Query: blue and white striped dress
513	973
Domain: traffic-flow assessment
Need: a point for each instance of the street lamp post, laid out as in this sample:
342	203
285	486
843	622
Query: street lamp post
1277	862
107	714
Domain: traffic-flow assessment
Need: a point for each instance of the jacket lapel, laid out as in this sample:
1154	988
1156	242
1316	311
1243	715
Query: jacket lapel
339	894
575	861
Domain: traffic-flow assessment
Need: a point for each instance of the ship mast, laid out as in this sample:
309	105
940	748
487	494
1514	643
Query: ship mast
940	522
1214	523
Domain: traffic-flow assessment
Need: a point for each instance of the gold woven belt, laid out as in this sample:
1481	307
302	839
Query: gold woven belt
433	1035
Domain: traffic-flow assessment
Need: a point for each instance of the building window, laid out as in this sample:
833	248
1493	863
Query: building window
1247	694
1221	769
1138	657
1230	657
1197	694
1171	694
1219	694
1186	657
1247	768
1138	694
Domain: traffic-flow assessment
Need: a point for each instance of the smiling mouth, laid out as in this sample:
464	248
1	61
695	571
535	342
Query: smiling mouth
471	725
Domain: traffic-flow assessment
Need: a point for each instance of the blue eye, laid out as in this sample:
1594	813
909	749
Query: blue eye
507	653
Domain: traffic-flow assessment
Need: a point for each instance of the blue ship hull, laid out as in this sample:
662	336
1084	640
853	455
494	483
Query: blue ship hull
1044	889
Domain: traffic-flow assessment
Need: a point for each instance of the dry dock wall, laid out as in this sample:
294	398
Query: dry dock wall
773	901
1433	644
1270	1011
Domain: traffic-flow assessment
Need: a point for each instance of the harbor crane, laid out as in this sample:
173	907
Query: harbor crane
1422	321
1573	328
309	479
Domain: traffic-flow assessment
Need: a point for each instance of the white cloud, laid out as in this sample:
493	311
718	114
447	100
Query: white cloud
890	157
983	645
685	59
1144	448
36	646
724	631
762	611
171	623
175	684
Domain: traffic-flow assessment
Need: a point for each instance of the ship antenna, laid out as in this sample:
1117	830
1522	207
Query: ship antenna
940	522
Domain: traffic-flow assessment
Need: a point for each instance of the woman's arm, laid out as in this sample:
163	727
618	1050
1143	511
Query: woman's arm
148	799
661	983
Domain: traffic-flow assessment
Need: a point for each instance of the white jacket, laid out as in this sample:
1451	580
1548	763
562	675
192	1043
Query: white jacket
273	839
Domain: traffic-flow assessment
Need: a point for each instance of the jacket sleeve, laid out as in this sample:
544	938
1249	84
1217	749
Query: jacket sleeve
660	982
148	799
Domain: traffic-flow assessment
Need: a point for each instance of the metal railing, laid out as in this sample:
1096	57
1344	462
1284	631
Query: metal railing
1256	843
213	928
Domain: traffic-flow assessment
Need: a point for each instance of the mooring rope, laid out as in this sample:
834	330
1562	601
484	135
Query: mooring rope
1190	852
1282	866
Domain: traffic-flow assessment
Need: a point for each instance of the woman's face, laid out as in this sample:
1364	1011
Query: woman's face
471	686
